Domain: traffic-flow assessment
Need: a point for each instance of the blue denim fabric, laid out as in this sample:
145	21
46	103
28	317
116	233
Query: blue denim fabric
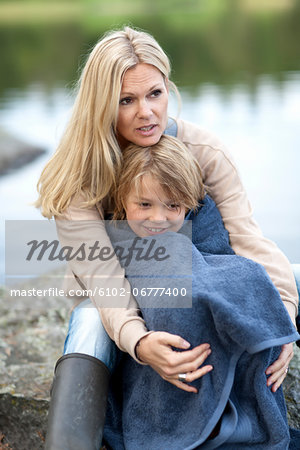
87	335
296	269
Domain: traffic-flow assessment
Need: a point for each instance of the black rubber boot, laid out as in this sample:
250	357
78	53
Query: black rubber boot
298	328
78	403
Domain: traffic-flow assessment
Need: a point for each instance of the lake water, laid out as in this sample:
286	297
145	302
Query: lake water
260	128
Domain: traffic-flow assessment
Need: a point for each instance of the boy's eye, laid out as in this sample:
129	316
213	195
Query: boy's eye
174	206
144	205
125	101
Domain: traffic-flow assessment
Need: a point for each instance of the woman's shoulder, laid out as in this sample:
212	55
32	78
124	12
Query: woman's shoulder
203	144
191	134
78	211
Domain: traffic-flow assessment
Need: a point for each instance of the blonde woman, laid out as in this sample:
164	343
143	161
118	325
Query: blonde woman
122	98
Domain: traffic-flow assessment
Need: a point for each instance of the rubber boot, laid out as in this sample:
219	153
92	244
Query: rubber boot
78	403
298	328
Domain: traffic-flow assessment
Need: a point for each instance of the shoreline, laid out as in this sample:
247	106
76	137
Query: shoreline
14	153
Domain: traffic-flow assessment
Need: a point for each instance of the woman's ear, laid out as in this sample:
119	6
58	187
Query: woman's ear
167	84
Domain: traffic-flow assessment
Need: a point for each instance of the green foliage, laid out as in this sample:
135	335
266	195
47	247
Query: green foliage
207	40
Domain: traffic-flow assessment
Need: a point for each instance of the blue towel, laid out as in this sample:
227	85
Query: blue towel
235	307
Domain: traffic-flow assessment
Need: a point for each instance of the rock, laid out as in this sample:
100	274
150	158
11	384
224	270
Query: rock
291	389
14	153
32	332
25	422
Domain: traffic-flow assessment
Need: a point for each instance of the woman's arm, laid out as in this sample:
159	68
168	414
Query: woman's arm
225	187
119	313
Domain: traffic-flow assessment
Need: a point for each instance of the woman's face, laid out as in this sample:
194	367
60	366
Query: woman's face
143	115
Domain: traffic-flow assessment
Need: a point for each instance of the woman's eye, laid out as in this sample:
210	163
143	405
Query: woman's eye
156	93
125	101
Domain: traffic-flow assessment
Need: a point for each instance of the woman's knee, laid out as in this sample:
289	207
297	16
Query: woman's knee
87	335
296	269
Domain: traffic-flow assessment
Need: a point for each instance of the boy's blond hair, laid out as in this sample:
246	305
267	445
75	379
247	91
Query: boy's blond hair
170	163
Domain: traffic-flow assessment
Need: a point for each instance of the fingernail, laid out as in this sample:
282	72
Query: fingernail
185	344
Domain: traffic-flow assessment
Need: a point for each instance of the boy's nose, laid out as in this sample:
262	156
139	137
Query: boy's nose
158	215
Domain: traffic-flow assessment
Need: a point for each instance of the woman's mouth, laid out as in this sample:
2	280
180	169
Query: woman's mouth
146	130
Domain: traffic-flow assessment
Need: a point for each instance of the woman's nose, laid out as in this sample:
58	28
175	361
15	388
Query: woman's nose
144	110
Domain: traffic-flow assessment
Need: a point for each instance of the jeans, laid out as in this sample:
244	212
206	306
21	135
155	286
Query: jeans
87	335
296	269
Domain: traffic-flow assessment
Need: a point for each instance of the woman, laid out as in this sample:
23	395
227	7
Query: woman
123	97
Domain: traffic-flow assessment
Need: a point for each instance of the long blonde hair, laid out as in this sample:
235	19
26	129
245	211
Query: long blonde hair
170	163
88	156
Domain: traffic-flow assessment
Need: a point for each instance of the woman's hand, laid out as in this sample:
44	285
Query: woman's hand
156	350
278	369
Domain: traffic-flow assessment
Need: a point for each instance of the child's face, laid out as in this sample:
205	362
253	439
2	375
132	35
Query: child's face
152	212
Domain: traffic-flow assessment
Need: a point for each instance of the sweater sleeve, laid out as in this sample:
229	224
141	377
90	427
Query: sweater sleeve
97	276
225	187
